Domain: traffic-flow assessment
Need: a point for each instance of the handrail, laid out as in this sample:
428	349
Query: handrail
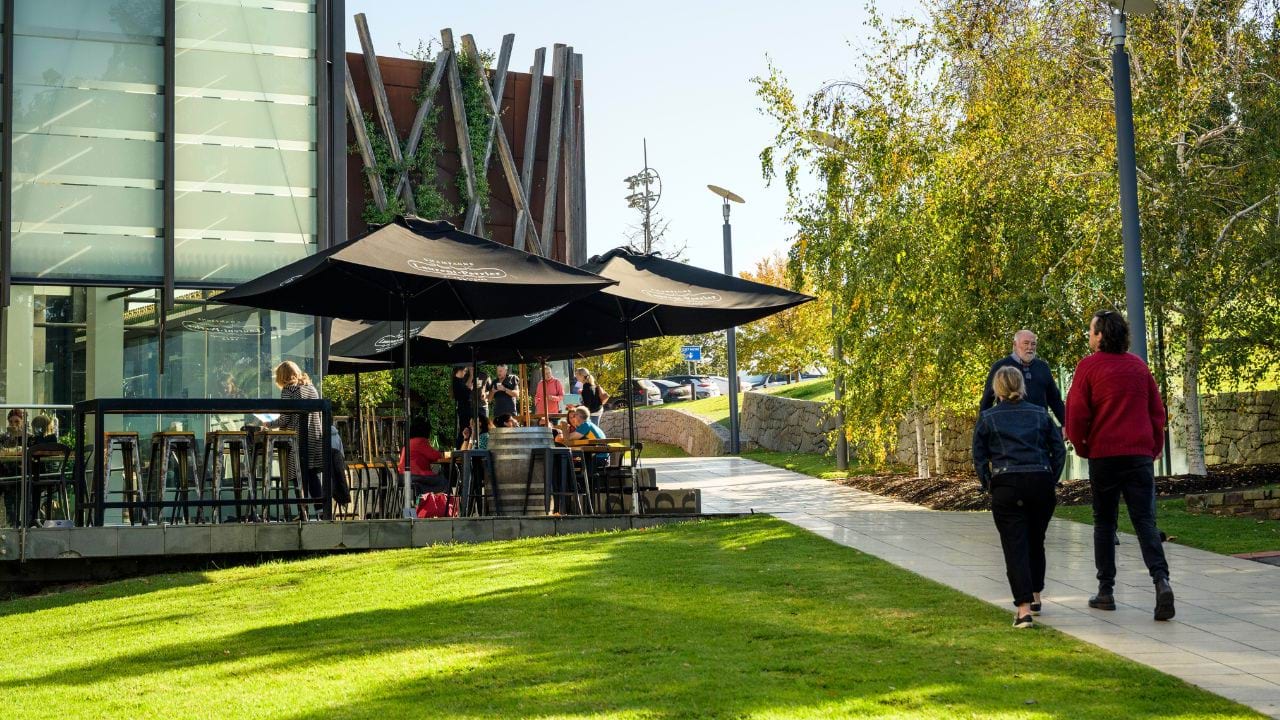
35	406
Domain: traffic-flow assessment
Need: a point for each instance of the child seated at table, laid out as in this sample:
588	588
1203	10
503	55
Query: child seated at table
422	478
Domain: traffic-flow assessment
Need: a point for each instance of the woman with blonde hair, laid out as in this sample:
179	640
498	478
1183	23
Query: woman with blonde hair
1019	454
295	384
593	396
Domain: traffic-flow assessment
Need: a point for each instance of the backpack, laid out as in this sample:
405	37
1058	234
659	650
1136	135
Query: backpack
437	505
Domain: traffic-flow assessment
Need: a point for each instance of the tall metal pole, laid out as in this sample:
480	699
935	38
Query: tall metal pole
409	509
648	207
735	446
1128	175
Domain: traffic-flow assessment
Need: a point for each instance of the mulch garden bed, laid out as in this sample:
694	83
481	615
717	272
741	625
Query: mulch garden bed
962	492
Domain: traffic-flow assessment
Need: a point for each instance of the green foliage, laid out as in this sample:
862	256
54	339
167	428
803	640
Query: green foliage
747	618
478	122
971	192
422	168
792	341
377	390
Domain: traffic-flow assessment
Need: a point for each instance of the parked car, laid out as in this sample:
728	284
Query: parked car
673	391
722	384
643	392
704	386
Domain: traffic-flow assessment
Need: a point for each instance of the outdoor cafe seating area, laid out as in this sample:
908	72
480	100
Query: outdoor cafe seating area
419	292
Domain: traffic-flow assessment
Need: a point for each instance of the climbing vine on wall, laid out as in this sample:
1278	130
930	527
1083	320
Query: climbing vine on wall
422	168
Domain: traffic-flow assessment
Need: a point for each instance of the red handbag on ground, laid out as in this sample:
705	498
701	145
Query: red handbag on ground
437	505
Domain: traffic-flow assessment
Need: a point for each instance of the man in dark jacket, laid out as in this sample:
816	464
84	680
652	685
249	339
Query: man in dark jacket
1041	389
1116	420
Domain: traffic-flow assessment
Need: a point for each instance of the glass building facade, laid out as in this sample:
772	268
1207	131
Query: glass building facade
155	152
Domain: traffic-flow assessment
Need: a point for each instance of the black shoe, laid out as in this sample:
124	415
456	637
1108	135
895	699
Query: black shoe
1164	600
1023	622
1035	608
1104	600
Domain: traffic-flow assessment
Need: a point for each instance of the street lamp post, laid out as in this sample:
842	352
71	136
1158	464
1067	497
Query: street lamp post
735	445
1127	168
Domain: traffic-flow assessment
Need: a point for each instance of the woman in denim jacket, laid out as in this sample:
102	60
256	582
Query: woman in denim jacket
1018	453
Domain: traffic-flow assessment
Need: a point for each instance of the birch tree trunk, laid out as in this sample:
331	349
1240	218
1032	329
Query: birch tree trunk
922	449
1191	401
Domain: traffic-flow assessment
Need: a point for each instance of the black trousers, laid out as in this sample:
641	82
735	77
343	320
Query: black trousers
1022	505
313	487
1133	477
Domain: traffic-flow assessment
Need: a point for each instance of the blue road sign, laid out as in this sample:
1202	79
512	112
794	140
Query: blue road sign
691	353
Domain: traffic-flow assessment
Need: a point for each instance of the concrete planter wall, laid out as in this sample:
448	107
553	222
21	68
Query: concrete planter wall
1242	428
673	427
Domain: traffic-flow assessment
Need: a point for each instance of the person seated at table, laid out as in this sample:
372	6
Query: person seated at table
550	393
466	443
13	433
584	429
44	429
422	478
482	438
505	420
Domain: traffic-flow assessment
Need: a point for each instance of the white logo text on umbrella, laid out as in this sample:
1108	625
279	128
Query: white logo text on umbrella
683	297
456	270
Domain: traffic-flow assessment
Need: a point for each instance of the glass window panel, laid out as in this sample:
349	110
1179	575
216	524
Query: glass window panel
87	257
100	113
245	170
255	124
59	159
245	193
205	73
204	260
218	26
138	21
87	196
58	62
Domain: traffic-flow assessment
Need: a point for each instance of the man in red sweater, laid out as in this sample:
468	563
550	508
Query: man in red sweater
1116	419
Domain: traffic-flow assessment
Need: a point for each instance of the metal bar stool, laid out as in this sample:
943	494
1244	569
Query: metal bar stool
181	445
126	443
483	458
219	445
557	478
280	446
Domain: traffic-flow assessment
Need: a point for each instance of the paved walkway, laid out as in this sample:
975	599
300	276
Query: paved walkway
1225	638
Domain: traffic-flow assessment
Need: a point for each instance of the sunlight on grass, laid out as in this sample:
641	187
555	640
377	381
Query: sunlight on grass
744	618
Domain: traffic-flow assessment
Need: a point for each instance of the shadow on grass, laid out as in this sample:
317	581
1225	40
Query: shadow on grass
719	619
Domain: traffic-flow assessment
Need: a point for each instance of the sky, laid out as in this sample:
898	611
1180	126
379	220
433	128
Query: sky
675	73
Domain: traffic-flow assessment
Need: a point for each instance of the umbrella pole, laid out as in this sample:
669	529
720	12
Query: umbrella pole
358	436
631	424
542	384
408	461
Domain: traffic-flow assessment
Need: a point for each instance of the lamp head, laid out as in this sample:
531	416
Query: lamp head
727	195
1134	7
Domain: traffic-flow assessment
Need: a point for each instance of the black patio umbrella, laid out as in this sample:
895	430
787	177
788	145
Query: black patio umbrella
415	269
653	297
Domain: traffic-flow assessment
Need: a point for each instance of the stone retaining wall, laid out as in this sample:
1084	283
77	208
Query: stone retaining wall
957	442
1252	503
673	427
784	424
1242	427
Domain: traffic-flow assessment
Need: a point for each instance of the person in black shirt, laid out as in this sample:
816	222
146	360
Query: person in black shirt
1041	388
505	393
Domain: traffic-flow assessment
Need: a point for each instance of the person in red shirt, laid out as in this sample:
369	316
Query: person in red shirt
422	478
550	393
1116	419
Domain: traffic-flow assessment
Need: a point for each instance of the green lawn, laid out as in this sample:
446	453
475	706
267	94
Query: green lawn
819	466
1226	535
716	409
746	618
662	450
